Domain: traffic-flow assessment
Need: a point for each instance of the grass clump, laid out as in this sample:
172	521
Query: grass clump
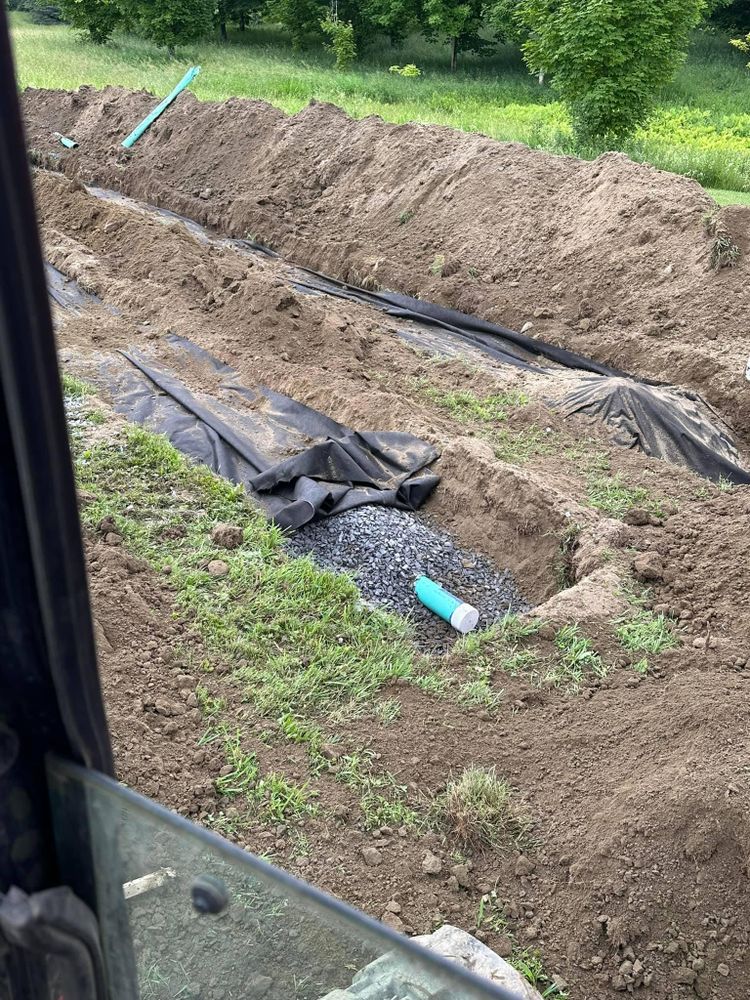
529	963
387	711
576	659
479	693
467	407
481	648
297	637
478	808
383	801
646	632
269	797
615	498
76	388
517	447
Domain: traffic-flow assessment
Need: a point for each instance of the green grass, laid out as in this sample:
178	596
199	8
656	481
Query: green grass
614	497
297	638
646	632
730	197
701	126
75	388
467	407
383	801
529	963
576	660
501	648
478	807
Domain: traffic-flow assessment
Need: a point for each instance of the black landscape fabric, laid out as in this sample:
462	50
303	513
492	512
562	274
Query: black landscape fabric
670	424
667	423
296	462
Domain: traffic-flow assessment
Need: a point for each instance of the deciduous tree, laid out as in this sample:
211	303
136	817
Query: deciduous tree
98	18
607	59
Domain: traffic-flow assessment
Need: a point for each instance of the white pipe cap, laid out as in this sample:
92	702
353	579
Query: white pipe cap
465	618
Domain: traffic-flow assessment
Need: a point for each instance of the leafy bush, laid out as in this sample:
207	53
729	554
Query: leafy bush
98	18
409	70
173	22
340	40
300	18
607	59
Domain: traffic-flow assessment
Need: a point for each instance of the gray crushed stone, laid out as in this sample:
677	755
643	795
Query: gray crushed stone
387	549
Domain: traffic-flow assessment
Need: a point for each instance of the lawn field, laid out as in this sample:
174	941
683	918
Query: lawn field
701	126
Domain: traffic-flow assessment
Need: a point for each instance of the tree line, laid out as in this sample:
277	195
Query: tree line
605	58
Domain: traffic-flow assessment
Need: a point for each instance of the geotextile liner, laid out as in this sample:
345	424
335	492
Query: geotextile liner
663	422
296	462
667	423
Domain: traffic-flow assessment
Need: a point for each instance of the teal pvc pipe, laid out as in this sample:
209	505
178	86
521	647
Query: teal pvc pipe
68	143
151	118
433	596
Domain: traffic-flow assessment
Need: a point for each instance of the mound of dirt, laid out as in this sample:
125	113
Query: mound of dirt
608	257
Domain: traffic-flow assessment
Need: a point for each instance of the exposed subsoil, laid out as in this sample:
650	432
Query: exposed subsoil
609	257
638	787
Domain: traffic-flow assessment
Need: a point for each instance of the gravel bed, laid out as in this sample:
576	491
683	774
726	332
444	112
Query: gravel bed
387	549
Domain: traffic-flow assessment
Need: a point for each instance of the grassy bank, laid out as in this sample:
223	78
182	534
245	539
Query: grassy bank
701	127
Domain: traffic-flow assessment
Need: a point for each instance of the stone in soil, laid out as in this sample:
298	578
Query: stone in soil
387	549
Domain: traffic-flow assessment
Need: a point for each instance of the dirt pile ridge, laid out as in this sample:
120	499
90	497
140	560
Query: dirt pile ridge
608	257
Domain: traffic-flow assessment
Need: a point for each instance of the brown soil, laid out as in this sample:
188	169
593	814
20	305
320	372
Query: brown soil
608	257
638	786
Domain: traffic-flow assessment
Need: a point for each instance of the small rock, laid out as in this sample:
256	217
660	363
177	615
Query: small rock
112	538
392	921
638	517
258	986
217	567
526	327
685	976
648	566
432	865
227	536
504	946
524	866
543	313
462	876
723	969
372	856
392	906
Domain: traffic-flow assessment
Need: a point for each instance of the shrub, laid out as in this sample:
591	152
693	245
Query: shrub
340	41
607	59
98	18
409	70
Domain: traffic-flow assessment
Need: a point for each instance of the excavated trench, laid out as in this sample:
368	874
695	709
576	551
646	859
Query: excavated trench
636	783
386	550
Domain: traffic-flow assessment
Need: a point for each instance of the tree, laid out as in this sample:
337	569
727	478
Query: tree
730	15
238	12
458	22
607	59
502	17
300	18
98	18
393	17
170	23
